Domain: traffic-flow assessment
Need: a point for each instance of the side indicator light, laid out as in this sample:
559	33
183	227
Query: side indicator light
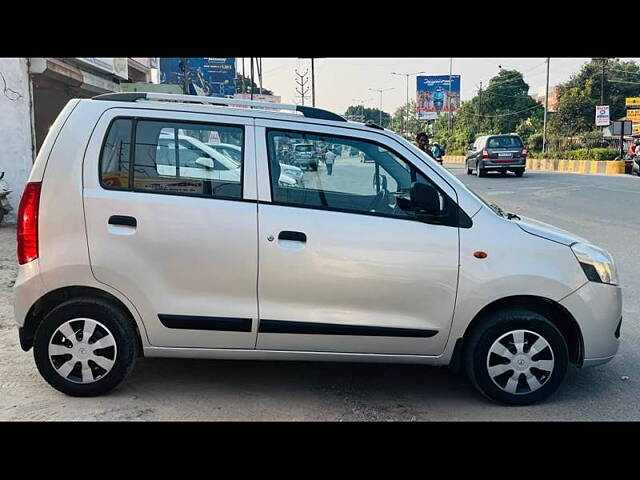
480	254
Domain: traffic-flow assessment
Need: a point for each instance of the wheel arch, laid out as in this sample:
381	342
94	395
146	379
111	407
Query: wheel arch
52	299
551	310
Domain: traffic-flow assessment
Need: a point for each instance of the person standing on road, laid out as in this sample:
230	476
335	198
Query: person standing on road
422	140
329	158
438	152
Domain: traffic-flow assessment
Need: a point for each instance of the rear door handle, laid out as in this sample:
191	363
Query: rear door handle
293	236
123	220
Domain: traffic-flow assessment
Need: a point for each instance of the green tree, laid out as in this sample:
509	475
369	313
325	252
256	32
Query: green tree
578	97
504	106
370	115
400	118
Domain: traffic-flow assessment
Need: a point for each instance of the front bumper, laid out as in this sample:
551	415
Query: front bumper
597	308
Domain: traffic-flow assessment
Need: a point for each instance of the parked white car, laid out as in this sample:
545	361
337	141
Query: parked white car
125	252
235	152
205	161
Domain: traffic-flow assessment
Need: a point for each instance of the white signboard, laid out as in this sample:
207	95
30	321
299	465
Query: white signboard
602	116
259	98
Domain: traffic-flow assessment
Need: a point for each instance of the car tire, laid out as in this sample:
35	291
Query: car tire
83	371
506	339
480	172
519	172
503	172
469	170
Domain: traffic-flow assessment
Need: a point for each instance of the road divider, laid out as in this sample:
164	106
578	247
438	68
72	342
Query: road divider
585	167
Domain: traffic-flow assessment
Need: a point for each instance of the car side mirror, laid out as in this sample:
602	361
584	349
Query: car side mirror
205	162
425	199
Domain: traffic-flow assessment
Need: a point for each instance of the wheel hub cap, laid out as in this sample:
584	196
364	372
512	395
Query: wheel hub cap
520	362
82	350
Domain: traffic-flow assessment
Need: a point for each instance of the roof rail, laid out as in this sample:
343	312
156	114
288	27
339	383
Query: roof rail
309	112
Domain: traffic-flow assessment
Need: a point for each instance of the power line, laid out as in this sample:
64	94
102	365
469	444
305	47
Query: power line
508	114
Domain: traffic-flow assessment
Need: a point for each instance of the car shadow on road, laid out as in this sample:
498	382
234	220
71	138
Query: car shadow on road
347	391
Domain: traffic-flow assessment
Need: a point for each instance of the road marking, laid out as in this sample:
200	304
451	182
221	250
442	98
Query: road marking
499	193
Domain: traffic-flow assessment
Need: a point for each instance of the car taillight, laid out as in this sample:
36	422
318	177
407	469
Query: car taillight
485	153
28	223
523	153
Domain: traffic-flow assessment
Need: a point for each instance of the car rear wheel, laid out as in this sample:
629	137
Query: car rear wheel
480	171
519	172
85	347
516	357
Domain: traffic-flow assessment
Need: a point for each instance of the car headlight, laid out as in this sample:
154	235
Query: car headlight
597	264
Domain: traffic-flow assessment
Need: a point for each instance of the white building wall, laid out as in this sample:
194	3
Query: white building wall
16	144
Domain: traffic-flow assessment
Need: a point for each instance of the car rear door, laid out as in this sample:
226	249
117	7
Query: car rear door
181	245
338	270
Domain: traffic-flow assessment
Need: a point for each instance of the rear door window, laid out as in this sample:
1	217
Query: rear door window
172	157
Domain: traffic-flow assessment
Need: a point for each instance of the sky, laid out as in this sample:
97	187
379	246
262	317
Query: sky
341	82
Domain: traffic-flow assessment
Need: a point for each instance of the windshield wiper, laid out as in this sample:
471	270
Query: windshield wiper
511	216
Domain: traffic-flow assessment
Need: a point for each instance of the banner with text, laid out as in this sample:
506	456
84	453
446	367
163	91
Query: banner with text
437	94
212	77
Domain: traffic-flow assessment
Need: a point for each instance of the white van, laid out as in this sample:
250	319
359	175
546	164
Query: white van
125	252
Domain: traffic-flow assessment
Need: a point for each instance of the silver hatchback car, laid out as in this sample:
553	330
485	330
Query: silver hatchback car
130	246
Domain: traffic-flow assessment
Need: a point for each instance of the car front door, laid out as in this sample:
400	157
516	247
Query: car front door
342	267
180	243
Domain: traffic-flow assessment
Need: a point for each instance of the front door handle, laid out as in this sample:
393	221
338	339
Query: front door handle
123	220
293	236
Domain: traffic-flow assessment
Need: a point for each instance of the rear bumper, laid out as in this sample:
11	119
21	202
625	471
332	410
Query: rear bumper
27	290
493	165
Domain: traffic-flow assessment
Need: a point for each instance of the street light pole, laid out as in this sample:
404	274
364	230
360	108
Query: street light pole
380	91
407	112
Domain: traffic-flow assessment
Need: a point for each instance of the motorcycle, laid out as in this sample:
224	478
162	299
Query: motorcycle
5	206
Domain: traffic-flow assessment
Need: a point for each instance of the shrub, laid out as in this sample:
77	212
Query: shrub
579	154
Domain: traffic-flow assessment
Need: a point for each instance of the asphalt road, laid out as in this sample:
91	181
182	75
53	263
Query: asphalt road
599	208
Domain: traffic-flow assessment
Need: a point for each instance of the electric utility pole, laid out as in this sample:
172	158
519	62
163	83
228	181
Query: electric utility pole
480	102
450	113
302	81
546	109
313	80
252	82
184	66
259	67
604	62
380	91
407	75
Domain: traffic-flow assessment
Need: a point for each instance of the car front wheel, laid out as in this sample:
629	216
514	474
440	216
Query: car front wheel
516	357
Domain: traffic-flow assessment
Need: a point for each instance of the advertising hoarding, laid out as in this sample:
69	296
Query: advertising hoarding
213	77
432	96
602	116
633	115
